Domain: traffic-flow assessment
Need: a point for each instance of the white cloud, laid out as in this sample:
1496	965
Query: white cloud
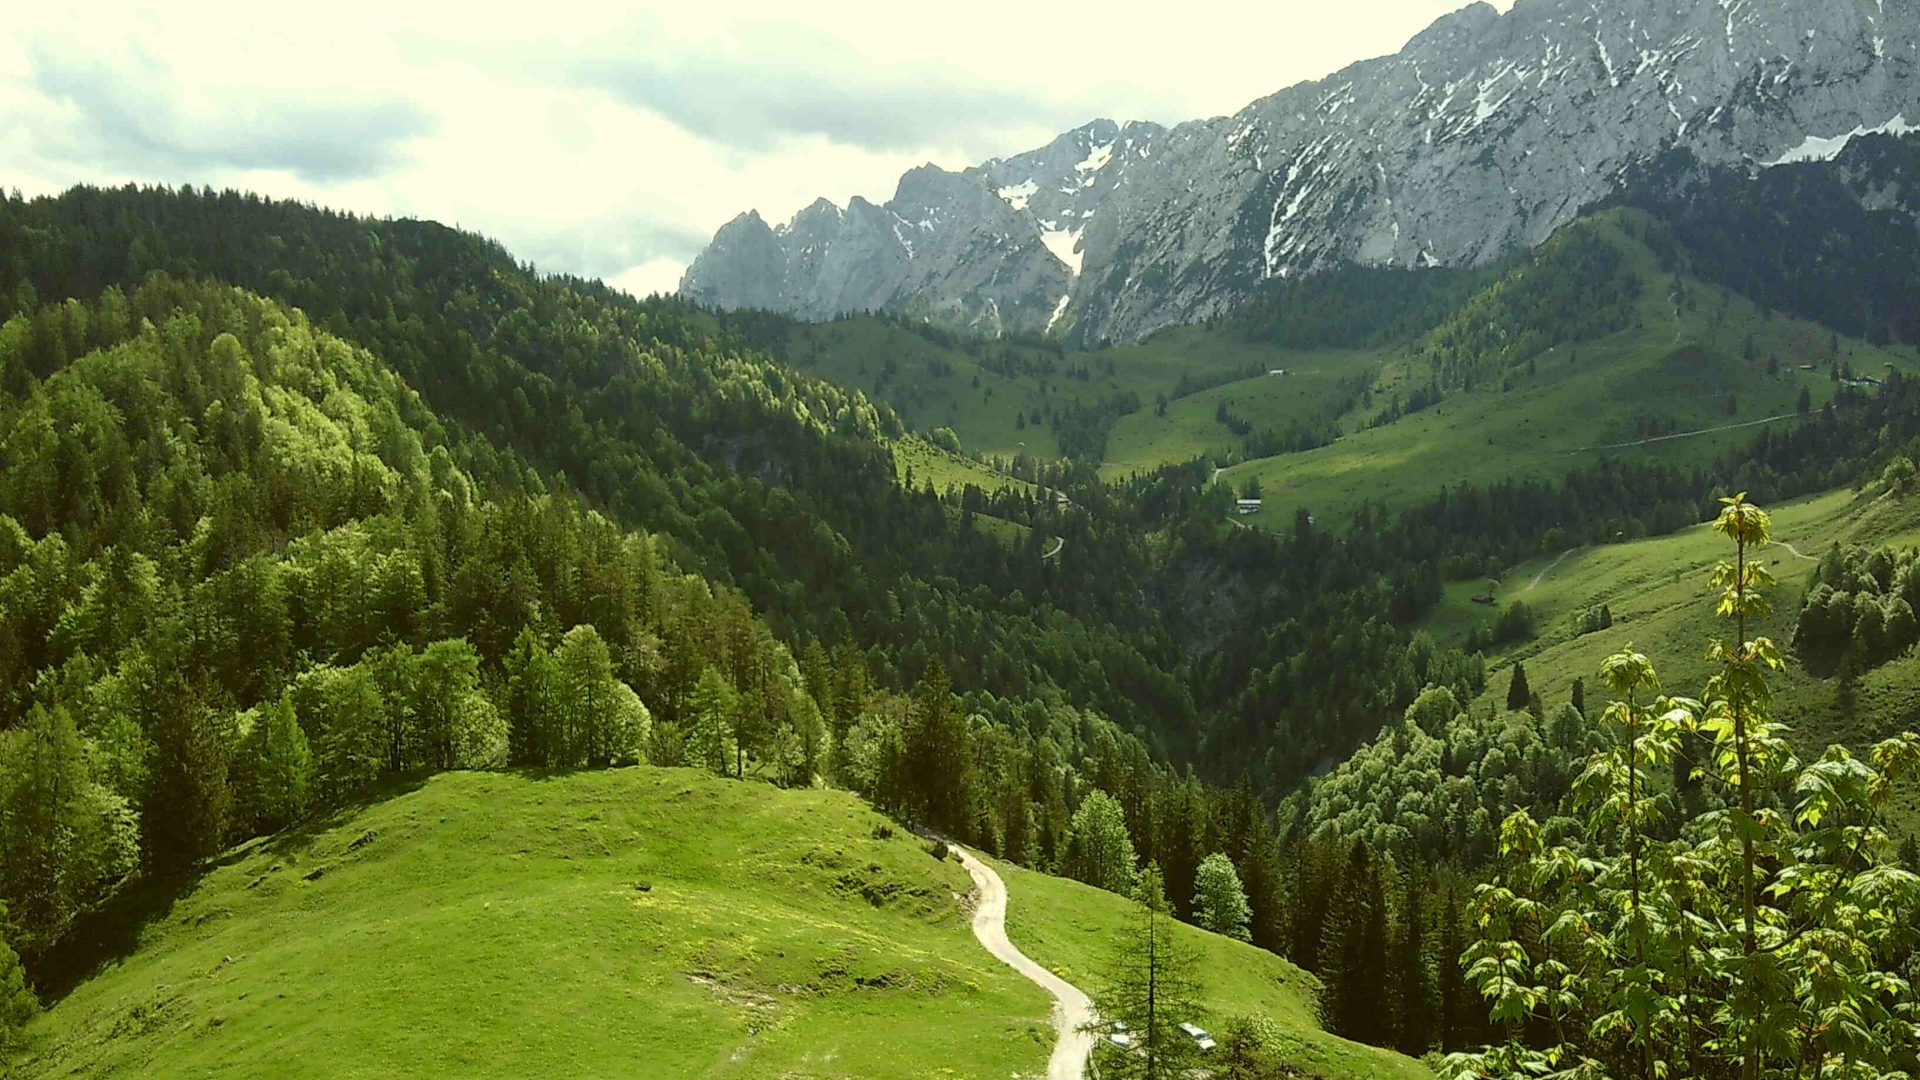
594	139
652	276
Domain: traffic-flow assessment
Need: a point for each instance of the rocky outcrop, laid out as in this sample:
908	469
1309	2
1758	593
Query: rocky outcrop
1486	132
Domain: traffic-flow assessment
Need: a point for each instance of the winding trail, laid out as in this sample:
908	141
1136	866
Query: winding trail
1072	1010
1688	434
1548	569
1796	551
1059	545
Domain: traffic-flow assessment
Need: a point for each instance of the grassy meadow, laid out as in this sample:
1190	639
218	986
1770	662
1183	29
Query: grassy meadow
1657	590
633	922
1707	362
1067	927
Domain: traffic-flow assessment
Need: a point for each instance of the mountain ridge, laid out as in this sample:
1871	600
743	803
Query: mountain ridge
1486	133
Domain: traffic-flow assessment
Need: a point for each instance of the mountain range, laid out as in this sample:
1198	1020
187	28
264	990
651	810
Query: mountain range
1485	134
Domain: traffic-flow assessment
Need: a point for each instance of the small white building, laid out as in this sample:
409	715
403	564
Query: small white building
1248	506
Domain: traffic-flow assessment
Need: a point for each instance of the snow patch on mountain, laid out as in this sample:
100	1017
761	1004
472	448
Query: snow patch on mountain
1815	148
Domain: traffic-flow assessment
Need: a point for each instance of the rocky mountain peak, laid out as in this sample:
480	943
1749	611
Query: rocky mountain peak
1487	132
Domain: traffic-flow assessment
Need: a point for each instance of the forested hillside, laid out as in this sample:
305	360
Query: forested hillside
297	506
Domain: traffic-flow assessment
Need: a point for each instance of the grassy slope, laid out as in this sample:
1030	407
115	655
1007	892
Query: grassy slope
495	924
1661	603
1677	364
947	471
933	386
1067	927
1314	384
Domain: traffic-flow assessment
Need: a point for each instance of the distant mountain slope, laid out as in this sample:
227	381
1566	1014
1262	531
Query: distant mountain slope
1487	132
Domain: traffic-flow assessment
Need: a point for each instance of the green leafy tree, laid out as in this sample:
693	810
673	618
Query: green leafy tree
1099	848
64	839
1754	940
346	713
1219	903
17	1002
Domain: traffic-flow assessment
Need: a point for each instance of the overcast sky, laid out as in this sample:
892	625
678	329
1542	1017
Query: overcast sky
610	140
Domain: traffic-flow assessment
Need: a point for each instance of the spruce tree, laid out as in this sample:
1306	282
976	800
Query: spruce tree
1411	980
708	717
1353	952
277	767
937	751
1457	1004
1518	695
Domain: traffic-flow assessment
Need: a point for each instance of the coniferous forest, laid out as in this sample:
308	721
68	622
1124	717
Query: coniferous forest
298	507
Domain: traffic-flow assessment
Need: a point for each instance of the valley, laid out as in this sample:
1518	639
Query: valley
1415	576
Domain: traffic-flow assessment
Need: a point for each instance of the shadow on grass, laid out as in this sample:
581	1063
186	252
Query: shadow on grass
111	931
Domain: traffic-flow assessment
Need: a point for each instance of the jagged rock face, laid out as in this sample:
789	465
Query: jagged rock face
1486	132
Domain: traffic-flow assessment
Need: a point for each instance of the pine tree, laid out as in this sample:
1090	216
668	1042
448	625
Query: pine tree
1353	952
277	768
1518	695
1150	986
1411	980
709	720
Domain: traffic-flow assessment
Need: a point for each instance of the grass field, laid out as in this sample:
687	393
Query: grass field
1682	365
1661	603
636	922
1696	358
924	462
1314	385
1069	927
982	393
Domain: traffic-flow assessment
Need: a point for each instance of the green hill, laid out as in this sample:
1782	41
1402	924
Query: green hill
1689	357
638	921
1654	590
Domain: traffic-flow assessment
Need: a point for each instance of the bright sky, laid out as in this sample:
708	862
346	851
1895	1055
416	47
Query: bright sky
610	140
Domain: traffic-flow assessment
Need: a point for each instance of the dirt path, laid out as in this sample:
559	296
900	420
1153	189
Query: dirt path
1072	1010
1548	569
1796	551
1687	434
1059	545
